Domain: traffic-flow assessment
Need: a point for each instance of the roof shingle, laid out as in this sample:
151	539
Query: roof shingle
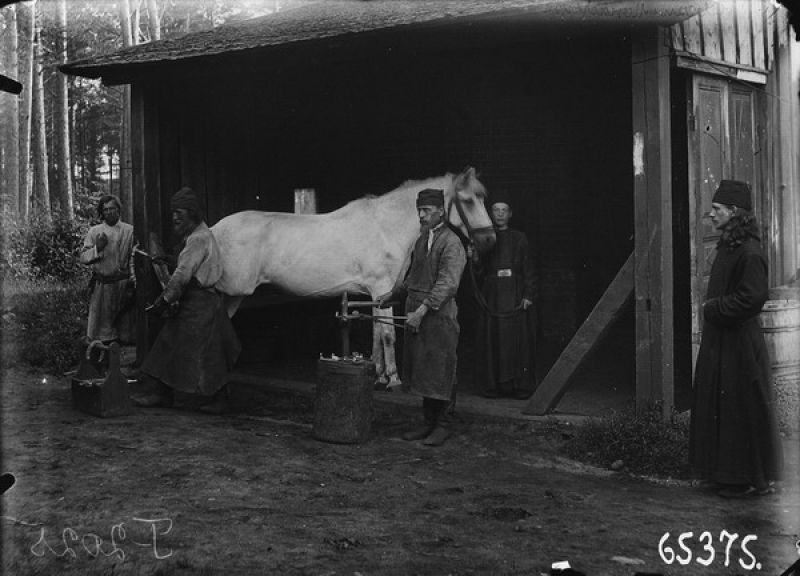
331	18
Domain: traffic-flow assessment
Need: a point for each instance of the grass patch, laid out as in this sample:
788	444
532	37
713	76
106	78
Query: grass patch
645	442
45	322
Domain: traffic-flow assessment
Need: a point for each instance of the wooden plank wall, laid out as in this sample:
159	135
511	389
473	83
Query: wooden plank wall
783	120
737	32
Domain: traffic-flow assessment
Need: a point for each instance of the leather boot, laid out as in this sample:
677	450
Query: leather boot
419	432
219	404
160	397
438	436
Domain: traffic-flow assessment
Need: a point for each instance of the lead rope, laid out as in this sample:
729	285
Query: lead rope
467	240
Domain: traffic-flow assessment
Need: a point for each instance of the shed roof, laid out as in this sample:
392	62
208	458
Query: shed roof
334	18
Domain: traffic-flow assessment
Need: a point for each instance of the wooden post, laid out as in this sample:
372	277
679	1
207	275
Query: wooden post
652	163
787	141
305	201
591	332
345	327
146	202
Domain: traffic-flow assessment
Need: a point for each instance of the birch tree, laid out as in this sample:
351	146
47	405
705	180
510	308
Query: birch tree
61	119
26	14
10	120
40	199
154	19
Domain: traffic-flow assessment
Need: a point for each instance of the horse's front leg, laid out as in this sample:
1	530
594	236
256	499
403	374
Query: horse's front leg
383	341
232	304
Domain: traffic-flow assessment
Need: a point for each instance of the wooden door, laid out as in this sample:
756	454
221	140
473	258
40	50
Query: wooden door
722	146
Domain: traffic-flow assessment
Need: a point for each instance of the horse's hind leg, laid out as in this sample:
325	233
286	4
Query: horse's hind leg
383	340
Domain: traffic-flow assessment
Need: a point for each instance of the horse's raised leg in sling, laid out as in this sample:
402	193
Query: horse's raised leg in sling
383	341
377	351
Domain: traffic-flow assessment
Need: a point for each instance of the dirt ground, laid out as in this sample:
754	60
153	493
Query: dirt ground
171	491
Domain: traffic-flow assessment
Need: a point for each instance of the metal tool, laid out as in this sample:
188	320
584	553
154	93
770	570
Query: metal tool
345	316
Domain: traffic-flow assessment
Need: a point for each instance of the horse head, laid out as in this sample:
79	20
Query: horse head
470	216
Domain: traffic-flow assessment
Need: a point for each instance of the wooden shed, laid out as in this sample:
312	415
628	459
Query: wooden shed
608	123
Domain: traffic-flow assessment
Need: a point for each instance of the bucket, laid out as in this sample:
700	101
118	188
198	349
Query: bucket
343	403
780	323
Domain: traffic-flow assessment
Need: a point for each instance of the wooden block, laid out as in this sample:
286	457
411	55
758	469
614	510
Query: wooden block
343	406
99	388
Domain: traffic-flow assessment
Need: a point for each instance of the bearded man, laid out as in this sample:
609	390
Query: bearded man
197	345
431	337
108	250
733	442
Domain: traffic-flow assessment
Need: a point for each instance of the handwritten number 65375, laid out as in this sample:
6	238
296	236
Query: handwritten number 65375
669	555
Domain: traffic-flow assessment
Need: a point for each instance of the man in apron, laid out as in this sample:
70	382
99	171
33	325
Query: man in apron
108	249
197	345
431	338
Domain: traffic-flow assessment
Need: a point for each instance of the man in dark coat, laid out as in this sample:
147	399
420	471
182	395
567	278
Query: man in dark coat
505	332
197	345
734	442
431	338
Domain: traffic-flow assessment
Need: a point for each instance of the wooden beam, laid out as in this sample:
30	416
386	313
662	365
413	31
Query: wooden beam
591	332
146	203
786	138
718	68
653	219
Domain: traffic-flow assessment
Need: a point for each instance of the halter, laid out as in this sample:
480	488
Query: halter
467	240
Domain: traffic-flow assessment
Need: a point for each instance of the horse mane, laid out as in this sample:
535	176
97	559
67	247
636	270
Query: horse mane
370	200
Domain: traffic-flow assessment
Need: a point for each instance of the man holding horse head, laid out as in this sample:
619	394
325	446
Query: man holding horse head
197	344
429	358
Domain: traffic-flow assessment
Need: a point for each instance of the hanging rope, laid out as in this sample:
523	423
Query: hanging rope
467	241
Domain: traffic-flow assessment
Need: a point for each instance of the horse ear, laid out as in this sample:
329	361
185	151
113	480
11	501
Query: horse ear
462	180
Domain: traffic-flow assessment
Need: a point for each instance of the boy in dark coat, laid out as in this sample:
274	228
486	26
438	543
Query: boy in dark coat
508	285
733	435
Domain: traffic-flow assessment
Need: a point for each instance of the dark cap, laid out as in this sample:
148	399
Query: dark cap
733	193
186	199
499	196
430	197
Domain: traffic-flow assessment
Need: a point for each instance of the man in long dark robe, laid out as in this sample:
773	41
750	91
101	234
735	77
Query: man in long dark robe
431	337
734	442
505	334
197	345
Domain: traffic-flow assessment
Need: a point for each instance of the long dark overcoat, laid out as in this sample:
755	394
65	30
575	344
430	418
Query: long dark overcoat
505	332
733	434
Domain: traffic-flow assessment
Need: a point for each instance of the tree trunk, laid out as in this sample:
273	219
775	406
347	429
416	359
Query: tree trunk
125	22
125	180
155	20
135	24
40	201
61	120
26	25
10	121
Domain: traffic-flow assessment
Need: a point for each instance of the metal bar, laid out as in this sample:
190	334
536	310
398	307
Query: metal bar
363	304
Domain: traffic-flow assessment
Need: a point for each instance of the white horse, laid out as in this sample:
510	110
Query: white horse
361	248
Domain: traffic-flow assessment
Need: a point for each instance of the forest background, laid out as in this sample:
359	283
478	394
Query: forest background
64	142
